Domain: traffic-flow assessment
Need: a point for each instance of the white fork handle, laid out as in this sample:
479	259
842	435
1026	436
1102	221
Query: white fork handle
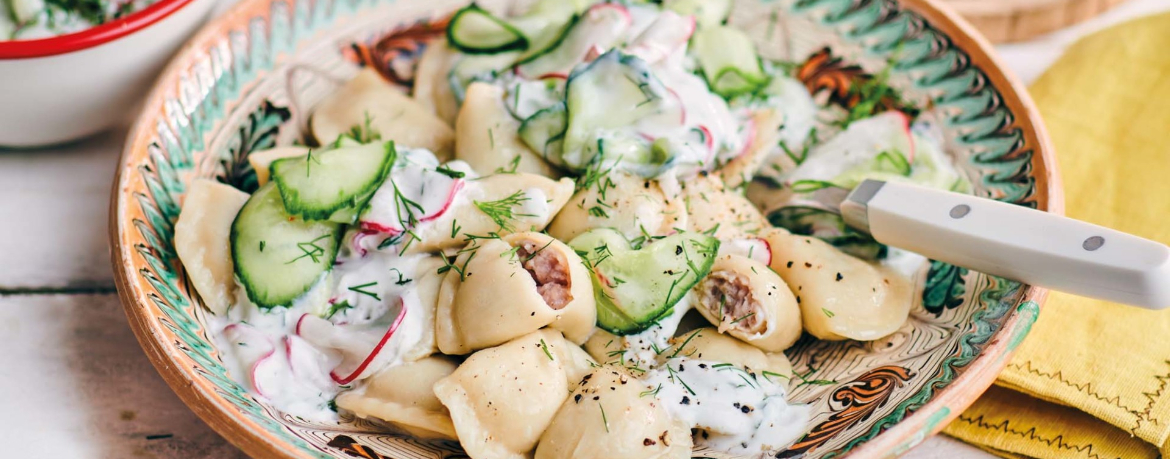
1015	242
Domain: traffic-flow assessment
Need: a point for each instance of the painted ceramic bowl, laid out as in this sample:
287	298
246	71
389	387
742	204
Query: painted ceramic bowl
246	83
62	88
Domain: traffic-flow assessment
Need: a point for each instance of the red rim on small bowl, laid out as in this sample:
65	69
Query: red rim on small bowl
91	37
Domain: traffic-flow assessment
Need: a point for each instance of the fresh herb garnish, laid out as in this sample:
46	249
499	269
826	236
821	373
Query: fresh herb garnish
311	250
604	420
337	307
742	318
653	391
402	280
502	211
443	169
359	289
544	347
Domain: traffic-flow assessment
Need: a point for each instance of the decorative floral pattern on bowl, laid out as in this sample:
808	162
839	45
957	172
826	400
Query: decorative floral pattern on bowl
245	84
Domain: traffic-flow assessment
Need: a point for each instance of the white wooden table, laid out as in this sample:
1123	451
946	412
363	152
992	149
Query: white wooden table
73	381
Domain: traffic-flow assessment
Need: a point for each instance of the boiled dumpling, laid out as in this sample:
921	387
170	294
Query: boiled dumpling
744	298
629	204
404	395
486	135
840	297
609	417
503	398
202	240
389	112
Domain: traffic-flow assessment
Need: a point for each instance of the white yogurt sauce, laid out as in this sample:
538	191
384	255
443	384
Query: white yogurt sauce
736	410
295	356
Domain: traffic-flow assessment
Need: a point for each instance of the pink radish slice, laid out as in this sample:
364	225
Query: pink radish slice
749	137
595	10
307	362
664	36
458	185
253	349
350	376
755	248
388	211
265	369
682	108
594	53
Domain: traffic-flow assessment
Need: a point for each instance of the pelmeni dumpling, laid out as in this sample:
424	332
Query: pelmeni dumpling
431	89
262	160
708	344
711	205
629	204
608	417
389	111
509	287
486	135
404	395
503	398
531	201
840	297
745	299
202	236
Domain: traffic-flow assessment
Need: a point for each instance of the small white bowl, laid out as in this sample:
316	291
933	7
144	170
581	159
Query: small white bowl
62	88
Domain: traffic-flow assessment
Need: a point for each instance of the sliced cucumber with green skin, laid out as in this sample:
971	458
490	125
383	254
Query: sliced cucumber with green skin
544	132
278	257
637	287
729	61
603	26
707	13
474	30
334	183
478	67
616	90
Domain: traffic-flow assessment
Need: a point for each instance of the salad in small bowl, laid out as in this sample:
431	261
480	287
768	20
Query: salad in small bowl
562	229
69	69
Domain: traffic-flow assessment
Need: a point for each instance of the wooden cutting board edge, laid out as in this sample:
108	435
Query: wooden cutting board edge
1006	21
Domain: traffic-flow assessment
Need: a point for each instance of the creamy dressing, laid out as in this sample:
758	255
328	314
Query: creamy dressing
642	349
737	410
301	356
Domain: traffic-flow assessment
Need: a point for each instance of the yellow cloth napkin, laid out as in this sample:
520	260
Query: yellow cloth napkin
1092	380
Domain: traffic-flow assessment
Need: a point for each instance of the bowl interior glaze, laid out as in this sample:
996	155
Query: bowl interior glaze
247	81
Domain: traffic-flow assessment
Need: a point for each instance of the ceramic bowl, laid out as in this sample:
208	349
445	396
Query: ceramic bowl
247	81
62	88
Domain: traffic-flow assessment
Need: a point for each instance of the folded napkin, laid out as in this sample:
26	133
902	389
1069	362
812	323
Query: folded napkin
1092	379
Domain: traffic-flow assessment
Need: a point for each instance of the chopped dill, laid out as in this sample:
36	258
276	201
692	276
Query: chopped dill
359	289
544	347
337	307
502	211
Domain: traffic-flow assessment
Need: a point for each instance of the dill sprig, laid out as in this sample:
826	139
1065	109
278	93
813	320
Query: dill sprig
359	289
502	211
337	307
675	377
544	347
653	391
311	250
684	344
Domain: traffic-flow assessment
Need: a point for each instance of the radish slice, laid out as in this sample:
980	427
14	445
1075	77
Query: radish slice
749	137
360	346
416	193
308	363
666	35
857	145
757	249
254	350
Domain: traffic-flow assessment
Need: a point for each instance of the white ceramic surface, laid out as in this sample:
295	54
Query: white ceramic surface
54	99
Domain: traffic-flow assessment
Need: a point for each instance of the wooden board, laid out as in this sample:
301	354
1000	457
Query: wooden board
1005	21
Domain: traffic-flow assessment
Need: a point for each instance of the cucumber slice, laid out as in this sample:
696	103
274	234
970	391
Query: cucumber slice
474	30
635	287
603	26
278	257
613	92
544	132
707	13
729	60
478	68
333	184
